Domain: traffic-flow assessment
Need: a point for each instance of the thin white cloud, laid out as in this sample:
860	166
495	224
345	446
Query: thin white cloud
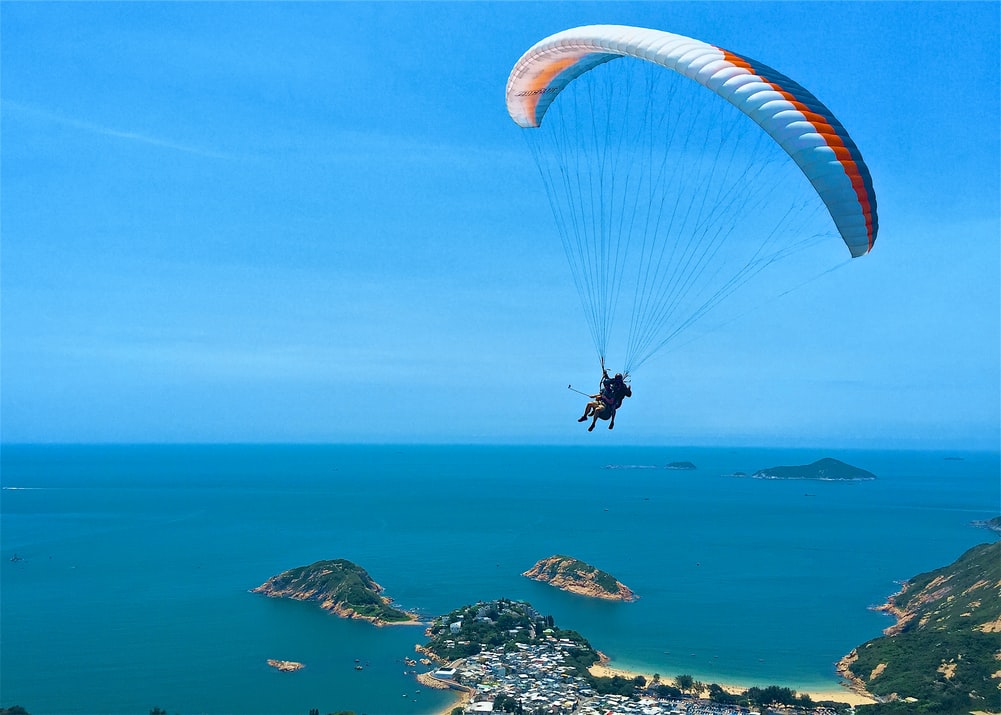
44	114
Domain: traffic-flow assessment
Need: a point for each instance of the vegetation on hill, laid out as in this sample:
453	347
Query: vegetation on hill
944	653
339	586
501	623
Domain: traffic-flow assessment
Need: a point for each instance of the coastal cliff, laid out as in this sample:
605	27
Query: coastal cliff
575	576
827	469
942	653
338	586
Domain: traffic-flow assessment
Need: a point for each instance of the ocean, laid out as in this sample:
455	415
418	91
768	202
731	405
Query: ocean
130	587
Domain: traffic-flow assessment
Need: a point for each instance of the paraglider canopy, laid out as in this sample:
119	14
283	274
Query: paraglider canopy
663	189
806	129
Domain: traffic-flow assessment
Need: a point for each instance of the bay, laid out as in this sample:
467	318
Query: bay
132	588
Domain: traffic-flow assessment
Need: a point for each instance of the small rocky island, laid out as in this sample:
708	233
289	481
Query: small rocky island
338	586
687	466
285	666
575	576
827	470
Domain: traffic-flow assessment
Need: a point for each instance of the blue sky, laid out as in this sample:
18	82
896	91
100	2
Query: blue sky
316	222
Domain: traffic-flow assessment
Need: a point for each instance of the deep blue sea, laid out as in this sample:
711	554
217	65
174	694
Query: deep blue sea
135	562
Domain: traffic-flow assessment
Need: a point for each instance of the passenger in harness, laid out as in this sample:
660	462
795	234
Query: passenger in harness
609	399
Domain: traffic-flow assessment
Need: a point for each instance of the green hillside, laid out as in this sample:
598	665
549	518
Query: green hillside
944	653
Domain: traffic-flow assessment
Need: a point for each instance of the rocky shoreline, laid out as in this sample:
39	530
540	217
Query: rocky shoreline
844	667
851	681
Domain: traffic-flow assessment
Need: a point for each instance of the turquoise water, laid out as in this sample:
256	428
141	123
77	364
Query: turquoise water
132	591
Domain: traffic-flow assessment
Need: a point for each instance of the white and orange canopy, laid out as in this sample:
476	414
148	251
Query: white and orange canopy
792	116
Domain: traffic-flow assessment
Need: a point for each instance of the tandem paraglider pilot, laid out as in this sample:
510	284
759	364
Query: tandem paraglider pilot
608	400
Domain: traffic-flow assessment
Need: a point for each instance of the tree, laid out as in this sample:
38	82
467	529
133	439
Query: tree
772	694
684	682
667	691
718	695
507	704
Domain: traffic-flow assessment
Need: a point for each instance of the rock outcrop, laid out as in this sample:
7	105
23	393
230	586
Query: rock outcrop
575	576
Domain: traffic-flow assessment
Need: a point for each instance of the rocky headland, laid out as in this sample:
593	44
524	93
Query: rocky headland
338	586
576	576
941	654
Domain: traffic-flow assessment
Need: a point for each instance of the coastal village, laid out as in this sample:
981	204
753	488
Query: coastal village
533	672
537	679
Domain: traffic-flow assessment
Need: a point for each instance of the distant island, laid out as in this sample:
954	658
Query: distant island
681	465
338	586
576	576
941	654
827	470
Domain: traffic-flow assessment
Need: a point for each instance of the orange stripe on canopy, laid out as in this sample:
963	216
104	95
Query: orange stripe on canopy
539	83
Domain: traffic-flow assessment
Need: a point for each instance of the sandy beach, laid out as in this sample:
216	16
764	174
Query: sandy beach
843	695
463	698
